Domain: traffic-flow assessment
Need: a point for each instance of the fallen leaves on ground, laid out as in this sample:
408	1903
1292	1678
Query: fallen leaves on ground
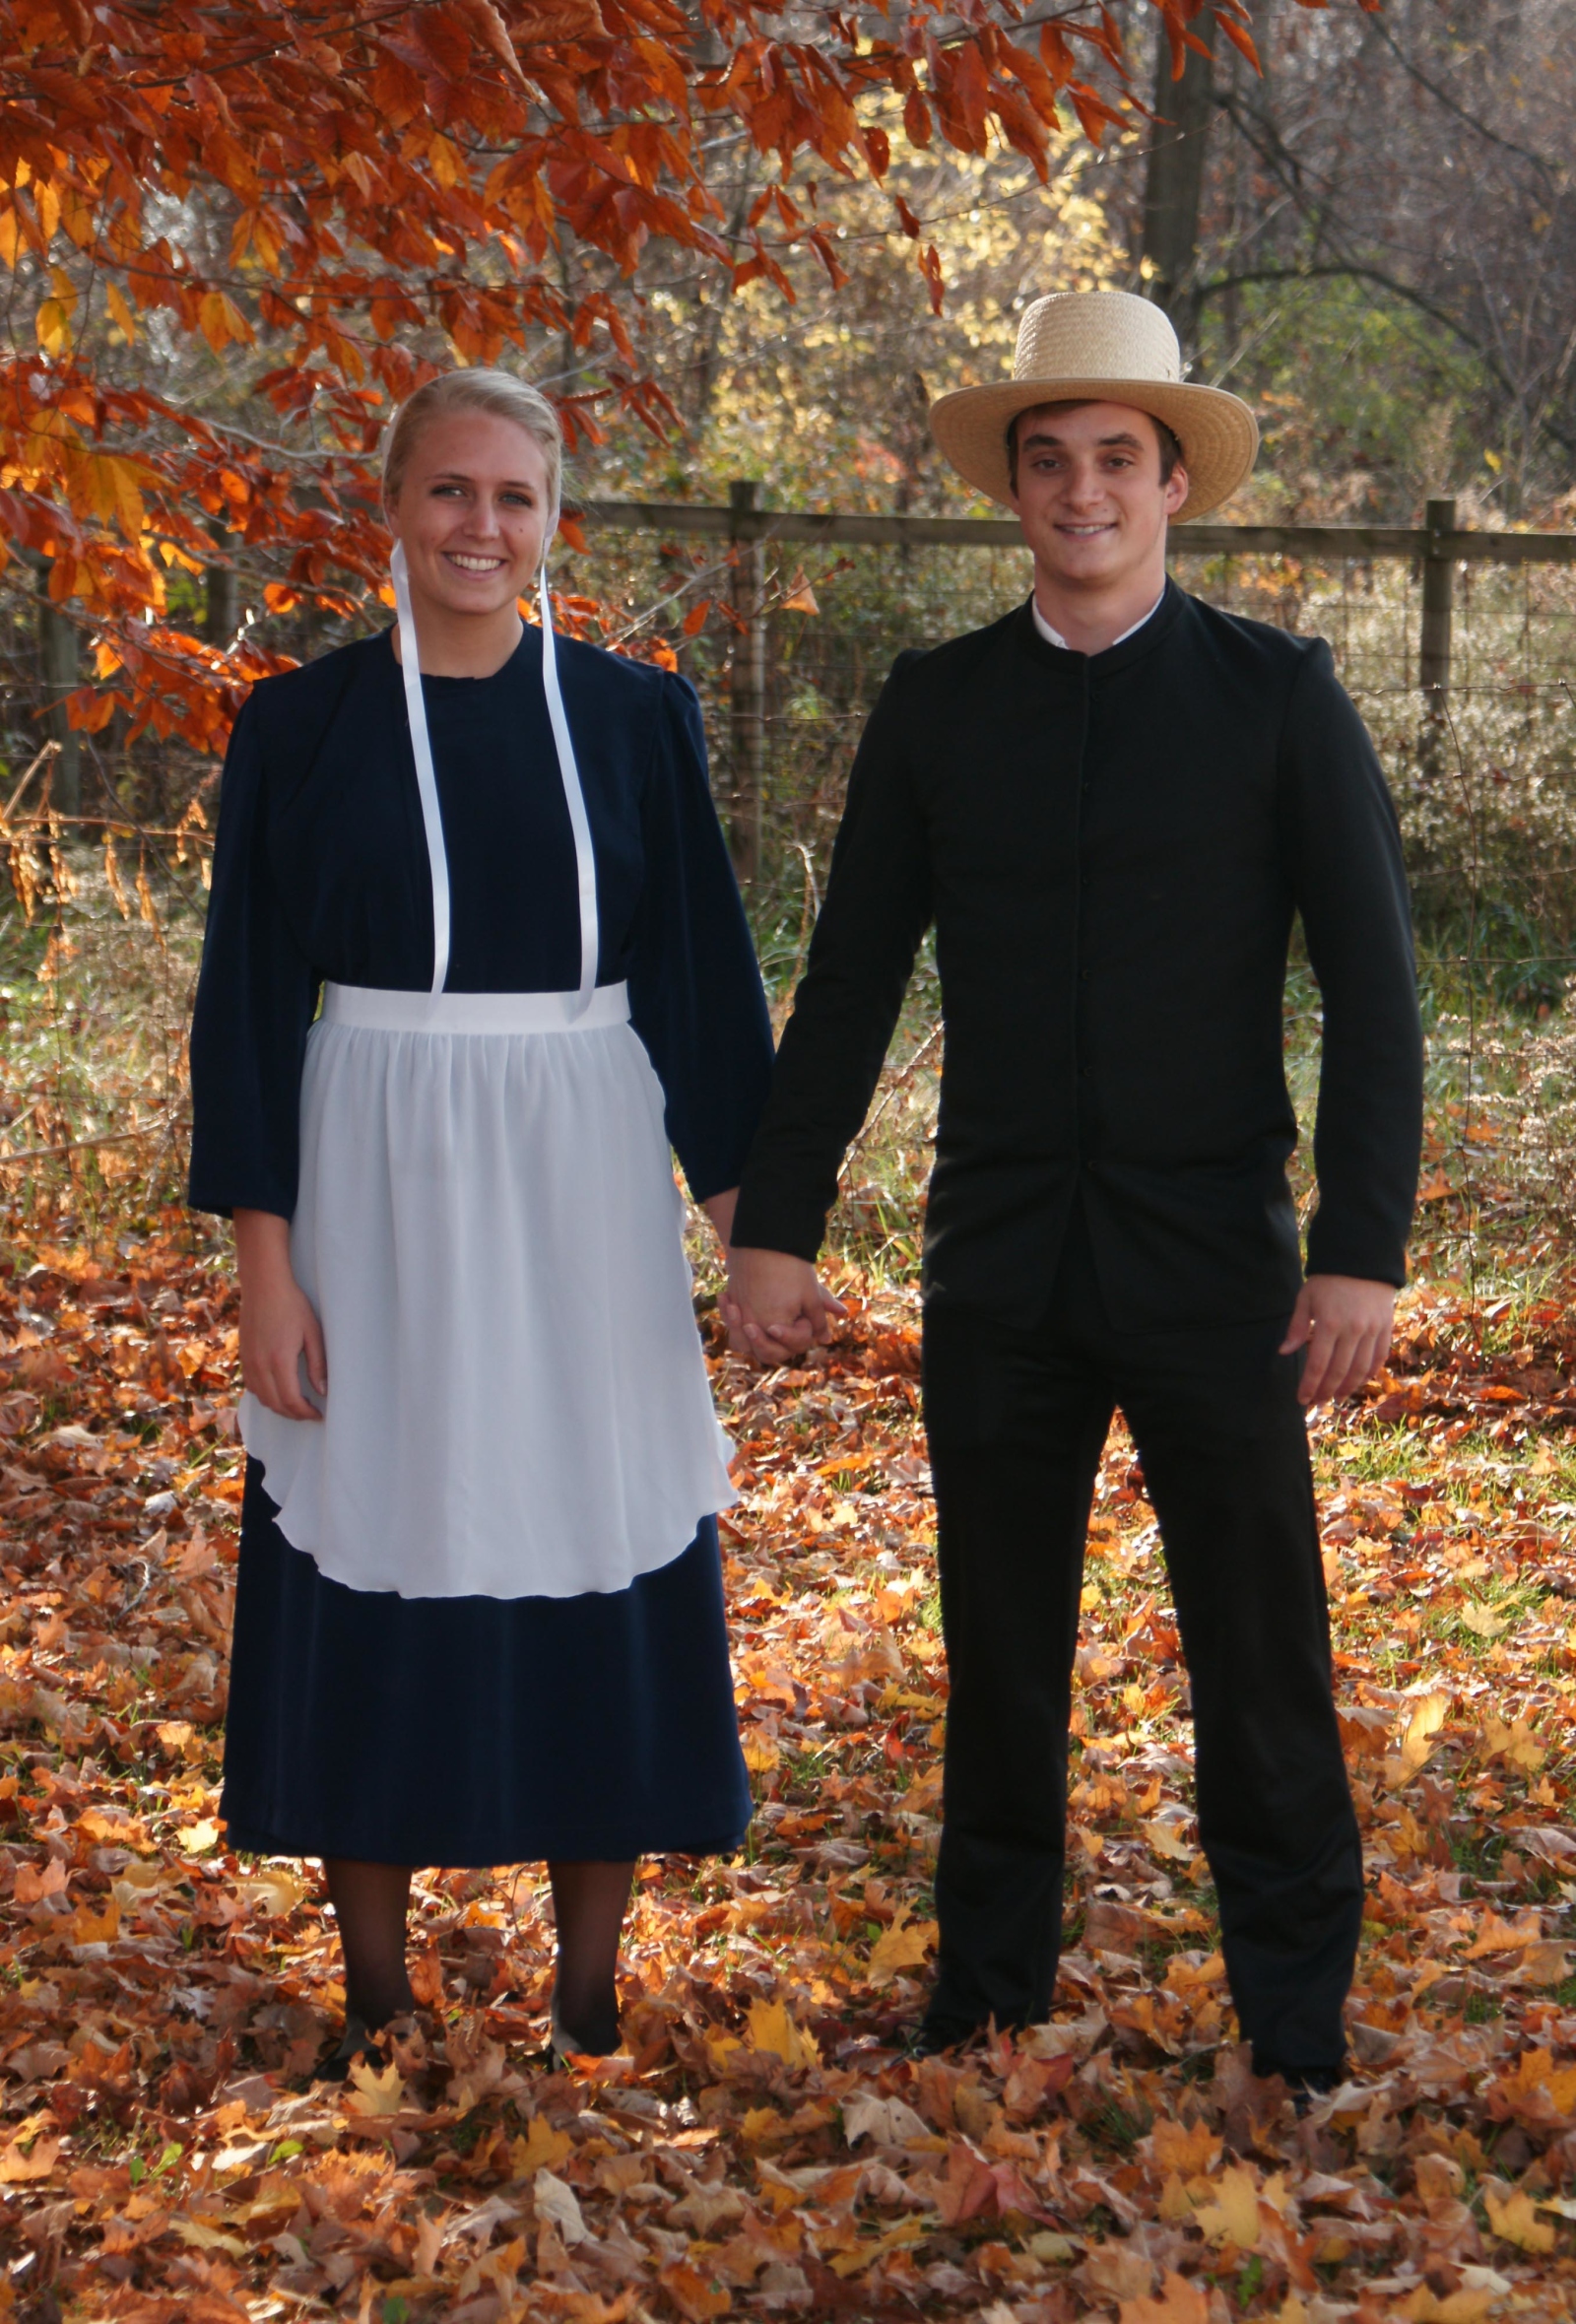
764	2145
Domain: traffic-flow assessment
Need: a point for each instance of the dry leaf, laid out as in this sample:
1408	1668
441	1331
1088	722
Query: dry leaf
1233	2214
18	2168
35	1882
1114	2271
904	1946
888	2121
771	2028
696	2297
1481	1622
1516	1743
1514	2219
96	1928
1501	1936
542	2149
275	1892
1166	1840
1179	2302
1188	2147
374	2090
1427	1717
558	2203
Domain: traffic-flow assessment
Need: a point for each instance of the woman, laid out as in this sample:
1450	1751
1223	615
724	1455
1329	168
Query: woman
479	1618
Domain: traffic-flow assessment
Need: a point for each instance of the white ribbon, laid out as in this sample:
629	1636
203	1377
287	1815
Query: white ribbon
426	778
585	863
431	814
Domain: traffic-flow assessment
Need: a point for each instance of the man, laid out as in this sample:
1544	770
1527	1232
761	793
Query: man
1110	805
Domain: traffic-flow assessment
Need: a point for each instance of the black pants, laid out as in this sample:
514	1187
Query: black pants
1017	1421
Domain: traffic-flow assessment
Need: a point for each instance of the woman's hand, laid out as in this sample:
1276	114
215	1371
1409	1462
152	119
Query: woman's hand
277	1322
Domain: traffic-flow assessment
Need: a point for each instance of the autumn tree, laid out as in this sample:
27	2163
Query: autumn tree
236	230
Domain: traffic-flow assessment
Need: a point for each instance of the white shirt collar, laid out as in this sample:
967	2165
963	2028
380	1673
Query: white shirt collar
1055	637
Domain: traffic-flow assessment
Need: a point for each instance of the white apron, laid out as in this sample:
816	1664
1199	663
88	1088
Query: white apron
488	1229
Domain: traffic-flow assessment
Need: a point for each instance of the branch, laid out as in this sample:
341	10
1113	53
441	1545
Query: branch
1354	270
1443	97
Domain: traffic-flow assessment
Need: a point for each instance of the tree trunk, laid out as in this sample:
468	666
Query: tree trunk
1173	185
60	674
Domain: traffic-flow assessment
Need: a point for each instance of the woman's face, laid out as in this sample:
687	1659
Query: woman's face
473	511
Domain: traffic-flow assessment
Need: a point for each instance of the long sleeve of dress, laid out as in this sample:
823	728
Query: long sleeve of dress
255	999
1351	887
694	987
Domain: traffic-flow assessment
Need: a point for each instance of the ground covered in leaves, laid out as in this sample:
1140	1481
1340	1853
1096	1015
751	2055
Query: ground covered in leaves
766	2147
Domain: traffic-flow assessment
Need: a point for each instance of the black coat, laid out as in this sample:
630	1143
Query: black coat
1112	849
321	871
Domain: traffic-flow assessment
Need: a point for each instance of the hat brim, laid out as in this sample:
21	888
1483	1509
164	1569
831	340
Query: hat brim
1218	434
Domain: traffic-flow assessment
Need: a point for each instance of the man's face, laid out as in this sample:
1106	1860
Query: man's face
1088	493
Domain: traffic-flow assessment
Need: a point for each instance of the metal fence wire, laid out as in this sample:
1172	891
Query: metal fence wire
1456	646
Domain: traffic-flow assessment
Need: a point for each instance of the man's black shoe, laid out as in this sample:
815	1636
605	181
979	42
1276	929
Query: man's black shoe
932	2036
1306	2083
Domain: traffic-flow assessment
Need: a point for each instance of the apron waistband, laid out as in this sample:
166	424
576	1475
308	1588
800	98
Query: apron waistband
375	1008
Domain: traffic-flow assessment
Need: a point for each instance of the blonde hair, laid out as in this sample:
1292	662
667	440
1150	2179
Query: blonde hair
483	389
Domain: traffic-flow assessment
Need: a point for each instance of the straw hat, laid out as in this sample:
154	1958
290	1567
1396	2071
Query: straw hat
1100	347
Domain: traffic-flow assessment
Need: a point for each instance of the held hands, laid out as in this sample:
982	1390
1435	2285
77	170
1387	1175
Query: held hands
278	1323
775	1306
1345	1323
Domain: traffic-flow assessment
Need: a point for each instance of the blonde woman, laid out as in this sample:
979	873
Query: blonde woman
475	961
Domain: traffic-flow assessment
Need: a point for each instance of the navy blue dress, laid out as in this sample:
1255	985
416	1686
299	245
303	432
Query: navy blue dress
471	1731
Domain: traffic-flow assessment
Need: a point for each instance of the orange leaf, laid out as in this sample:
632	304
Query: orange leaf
1181	2301
696	2297
16	2167
1239	38
96	1928
220	320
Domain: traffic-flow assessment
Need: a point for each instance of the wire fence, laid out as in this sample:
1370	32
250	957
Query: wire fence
788	640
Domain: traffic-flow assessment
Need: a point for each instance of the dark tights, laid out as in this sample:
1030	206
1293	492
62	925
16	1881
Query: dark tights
372	1902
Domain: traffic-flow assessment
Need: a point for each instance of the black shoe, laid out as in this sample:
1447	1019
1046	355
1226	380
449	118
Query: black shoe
1307	2085
933	2034
357	2044
565	2046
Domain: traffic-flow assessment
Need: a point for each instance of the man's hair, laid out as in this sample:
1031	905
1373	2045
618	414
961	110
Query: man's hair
1173	455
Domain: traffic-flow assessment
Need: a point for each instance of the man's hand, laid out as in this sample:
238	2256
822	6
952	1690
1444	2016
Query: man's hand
775	1306
1345	1323
277	1322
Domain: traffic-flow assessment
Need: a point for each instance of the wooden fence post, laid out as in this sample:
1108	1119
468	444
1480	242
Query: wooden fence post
746	687
221	602
1438	602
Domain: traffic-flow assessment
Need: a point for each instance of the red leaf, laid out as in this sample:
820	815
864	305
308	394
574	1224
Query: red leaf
1239	38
